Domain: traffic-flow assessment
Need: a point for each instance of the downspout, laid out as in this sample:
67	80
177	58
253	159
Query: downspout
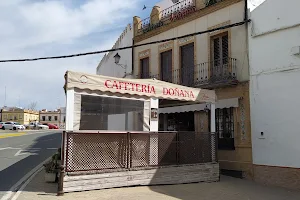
246	18
246	11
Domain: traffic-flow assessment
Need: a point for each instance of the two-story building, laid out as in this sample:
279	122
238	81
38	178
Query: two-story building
208	49
274	51
52	117
20	115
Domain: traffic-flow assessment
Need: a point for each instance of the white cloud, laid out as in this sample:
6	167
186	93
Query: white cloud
46	28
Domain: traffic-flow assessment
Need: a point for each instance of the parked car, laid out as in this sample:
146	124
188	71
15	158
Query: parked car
1	124
51	126
39	126
12	126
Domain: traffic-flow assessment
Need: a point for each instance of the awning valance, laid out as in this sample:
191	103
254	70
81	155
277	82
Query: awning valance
224	103
141	87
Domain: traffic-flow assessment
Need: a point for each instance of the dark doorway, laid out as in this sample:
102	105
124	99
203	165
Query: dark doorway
181	121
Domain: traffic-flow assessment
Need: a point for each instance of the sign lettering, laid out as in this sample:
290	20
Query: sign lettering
143	88
183	13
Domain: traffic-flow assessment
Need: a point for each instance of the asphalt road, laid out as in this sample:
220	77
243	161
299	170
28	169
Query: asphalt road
19	155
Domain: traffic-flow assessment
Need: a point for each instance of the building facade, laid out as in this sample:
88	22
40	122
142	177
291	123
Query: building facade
52	117
62	122
216	59
22	116
107	65
274	51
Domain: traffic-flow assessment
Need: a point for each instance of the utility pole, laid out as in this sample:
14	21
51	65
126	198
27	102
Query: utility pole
5	97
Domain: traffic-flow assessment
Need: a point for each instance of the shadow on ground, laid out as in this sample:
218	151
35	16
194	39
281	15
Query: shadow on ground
44	145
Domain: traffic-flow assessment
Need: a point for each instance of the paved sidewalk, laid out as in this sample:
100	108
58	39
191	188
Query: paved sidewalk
227	189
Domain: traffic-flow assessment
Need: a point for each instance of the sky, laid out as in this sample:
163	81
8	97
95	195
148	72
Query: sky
37	28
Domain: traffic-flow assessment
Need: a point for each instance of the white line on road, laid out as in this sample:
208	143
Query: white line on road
8	148
23	181
30	152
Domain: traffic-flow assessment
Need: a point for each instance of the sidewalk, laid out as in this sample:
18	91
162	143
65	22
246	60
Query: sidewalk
227	189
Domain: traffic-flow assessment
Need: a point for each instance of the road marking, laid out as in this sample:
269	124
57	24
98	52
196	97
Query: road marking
24	180
7	135
30	152
11	135
8	148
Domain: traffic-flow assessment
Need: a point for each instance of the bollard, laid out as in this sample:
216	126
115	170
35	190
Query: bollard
60	190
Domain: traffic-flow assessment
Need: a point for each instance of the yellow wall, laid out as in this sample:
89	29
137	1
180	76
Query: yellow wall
22	117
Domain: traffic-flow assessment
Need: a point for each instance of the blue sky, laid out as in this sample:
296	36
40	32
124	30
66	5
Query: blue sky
34	28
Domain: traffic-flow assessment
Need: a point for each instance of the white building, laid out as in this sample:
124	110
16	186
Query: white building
51	117
62	122
107	65
274	51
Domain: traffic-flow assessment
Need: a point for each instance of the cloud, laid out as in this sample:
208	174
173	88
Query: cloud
31	28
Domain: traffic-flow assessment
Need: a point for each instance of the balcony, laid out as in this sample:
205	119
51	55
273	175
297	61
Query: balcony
176	12
217	73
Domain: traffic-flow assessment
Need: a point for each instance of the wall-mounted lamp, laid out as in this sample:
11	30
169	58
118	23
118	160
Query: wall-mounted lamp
117	58
206	109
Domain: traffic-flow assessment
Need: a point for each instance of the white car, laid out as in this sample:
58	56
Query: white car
13	126
39	126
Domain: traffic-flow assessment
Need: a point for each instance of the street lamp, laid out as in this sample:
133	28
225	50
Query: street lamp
117	58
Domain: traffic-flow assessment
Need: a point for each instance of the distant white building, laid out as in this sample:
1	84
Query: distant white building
107	65
62	122
274	52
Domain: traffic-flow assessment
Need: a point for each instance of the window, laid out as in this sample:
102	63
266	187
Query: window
187	65
64	118
225	128
55	118
166	66
43	118
20	116
144	68
220	56
49	118
15	117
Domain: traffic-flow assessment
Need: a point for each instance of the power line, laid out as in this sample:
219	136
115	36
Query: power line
128	47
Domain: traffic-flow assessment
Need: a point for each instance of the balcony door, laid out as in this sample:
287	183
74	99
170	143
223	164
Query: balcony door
166	66
220	68
144	68
187	64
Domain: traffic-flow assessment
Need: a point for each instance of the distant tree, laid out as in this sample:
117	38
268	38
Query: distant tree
32	105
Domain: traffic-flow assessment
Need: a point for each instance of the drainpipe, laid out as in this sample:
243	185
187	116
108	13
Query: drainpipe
246	11
132	57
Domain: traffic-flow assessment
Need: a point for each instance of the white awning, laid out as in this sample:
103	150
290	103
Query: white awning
141	87
225	103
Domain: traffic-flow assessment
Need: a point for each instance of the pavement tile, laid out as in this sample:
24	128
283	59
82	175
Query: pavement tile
227	189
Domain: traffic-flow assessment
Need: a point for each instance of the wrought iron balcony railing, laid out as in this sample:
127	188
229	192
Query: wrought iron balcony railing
178	10
208	74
